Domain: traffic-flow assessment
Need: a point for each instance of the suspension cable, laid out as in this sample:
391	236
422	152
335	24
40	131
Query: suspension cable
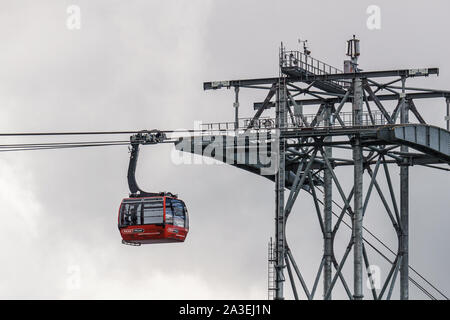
79	133
59	145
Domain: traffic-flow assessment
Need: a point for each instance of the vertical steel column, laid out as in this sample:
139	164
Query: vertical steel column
447	118
236	108
279	190
404	207
327	210
357	221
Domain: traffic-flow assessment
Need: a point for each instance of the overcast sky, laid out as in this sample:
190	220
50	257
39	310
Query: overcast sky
140	65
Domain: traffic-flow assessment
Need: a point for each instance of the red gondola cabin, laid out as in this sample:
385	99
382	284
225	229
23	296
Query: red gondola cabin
147	220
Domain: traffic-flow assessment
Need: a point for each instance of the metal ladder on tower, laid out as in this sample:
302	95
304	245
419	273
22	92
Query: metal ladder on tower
271	271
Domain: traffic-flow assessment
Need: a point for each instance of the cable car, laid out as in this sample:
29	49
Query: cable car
146	217
153	220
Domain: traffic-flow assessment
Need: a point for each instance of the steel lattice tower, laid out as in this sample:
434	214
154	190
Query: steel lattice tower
307	145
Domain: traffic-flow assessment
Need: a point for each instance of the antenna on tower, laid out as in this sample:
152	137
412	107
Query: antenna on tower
353	50
305	48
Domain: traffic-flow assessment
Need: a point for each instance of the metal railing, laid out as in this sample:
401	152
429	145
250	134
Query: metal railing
218	127
306	63
303	121
345	117
227	127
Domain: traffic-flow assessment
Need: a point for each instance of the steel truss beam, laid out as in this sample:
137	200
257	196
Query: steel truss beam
327	77
383	97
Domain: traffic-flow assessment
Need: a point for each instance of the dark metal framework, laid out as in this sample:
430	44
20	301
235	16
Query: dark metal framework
308	147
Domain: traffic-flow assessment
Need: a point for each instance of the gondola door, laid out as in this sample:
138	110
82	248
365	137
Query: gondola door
180	222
